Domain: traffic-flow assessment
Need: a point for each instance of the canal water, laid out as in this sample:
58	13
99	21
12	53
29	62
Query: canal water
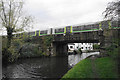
45	67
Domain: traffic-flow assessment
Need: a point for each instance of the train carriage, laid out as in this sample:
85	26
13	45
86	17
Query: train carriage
50	31
76	28
59	31
32	33
43	32
95	26
86	27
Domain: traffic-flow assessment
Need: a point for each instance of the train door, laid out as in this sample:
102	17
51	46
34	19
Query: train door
68	30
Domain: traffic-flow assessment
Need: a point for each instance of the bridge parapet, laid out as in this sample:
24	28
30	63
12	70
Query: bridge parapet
77	37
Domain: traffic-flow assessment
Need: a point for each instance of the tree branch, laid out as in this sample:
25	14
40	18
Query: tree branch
5	17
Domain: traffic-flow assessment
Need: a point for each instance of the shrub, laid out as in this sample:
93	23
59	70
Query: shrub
96	46
113	51
9	54
13	54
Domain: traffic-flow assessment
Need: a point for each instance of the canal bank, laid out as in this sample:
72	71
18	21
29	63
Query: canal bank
104	67
94	67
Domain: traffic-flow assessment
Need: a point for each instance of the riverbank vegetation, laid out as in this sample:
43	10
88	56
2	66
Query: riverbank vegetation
98	67
22	46
25	48
104	67
96	46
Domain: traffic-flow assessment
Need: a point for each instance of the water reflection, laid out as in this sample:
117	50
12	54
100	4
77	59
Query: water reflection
74	59
54	67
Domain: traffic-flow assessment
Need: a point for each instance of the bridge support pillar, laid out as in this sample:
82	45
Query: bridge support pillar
102	42
107	38
59	49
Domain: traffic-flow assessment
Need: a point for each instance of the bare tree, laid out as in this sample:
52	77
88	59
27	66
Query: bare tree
112	11
11	15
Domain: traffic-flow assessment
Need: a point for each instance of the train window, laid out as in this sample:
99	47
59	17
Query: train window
43	32
75	28
79	28
59	30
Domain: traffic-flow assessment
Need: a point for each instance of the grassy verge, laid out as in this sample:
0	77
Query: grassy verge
81	70
105	67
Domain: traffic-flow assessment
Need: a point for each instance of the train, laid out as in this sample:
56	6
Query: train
73	29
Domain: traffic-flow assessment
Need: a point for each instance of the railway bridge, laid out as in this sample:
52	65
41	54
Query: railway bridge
104	37
103	32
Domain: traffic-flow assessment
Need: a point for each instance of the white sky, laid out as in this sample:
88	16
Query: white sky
59	13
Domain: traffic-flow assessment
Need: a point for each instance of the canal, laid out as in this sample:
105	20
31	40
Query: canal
45	67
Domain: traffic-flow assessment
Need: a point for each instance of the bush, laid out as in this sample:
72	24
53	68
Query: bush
37	52
9	54
96	46
5	55
113	51
13	54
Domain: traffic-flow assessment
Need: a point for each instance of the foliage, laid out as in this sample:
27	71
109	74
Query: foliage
4	40
9	54
29	50
112	11
12	19
96	46
5	56
12	53
48	40
46	43
113	50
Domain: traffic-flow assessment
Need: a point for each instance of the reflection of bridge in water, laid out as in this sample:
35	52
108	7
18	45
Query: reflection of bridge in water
74	59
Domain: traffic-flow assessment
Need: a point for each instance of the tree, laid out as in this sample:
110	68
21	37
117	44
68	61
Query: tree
12	18
112	11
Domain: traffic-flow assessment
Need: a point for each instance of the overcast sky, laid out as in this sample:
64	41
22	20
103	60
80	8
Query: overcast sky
59	13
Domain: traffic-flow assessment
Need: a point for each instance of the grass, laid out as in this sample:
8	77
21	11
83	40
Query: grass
106	67
81	70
